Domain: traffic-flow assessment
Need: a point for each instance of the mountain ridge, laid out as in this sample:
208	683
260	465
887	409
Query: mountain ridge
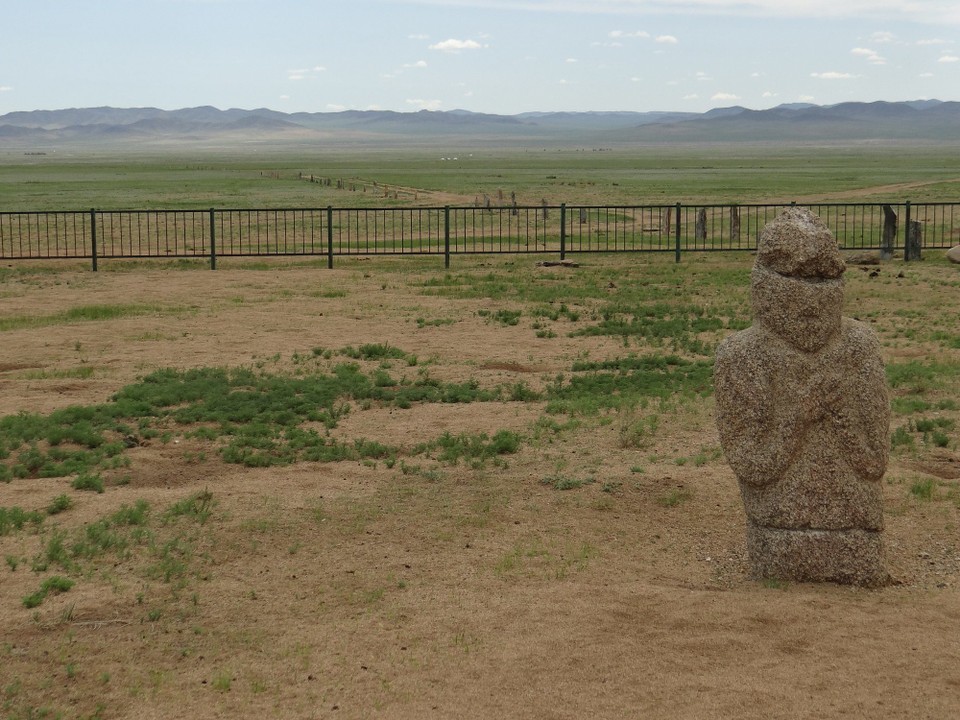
909	120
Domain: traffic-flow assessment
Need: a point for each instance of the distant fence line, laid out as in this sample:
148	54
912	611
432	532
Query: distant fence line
330	232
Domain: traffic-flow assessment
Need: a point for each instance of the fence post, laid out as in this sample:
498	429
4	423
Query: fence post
329	237
677	236
889	232
93	238
906	232
446	236
563	231
914	241
700	230
213	241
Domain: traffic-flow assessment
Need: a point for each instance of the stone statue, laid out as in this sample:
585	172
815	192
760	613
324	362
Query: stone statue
803	414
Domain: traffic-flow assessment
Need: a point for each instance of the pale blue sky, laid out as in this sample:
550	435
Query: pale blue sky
497	56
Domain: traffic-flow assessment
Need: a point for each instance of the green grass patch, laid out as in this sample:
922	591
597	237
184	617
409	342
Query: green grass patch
87	313
908	405
624	383
932	431
554	313
950	340
88	481
128	531
924	489
257	418
566	482
84	372
504	317
918	378
674	497
59	504
55	584
658	324
473	449
15	518
637	433
374	351
434	322
902	439
198	507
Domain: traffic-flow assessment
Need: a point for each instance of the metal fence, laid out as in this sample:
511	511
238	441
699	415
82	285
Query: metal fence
97	235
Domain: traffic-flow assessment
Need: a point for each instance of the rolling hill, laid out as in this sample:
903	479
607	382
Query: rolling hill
926	120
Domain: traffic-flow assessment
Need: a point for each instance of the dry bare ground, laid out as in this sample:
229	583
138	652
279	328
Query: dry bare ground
432	590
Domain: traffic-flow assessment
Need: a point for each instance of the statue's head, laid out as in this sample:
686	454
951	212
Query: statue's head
797	280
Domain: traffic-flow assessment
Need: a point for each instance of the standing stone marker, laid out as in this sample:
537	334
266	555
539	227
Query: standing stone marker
803	414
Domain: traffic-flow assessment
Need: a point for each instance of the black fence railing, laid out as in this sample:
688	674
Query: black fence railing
97	235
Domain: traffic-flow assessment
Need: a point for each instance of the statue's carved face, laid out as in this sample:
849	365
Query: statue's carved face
804	312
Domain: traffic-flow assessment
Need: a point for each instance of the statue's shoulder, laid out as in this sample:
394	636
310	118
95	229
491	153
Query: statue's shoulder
744	343
744	352
857	334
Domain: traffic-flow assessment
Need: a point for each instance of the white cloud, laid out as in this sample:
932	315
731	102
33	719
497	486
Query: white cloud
454	45
333	107
629	34
571	61
769	94
926	75
872	11
692	96
702	76
869	55
421	104
418	37
948	59
666	40
832	75
806	98
724	96
417	64
883	37
932	41
303	73
5	88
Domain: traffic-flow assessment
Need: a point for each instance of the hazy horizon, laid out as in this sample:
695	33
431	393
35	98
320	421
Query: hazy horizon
503	57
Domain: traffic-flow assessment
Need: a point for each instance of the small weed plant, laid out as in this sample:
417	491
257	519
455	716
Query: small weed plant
675	497
55	585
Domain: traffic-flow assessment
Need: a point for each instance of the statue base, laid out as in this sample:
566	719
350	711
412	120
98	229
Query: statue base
847	557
